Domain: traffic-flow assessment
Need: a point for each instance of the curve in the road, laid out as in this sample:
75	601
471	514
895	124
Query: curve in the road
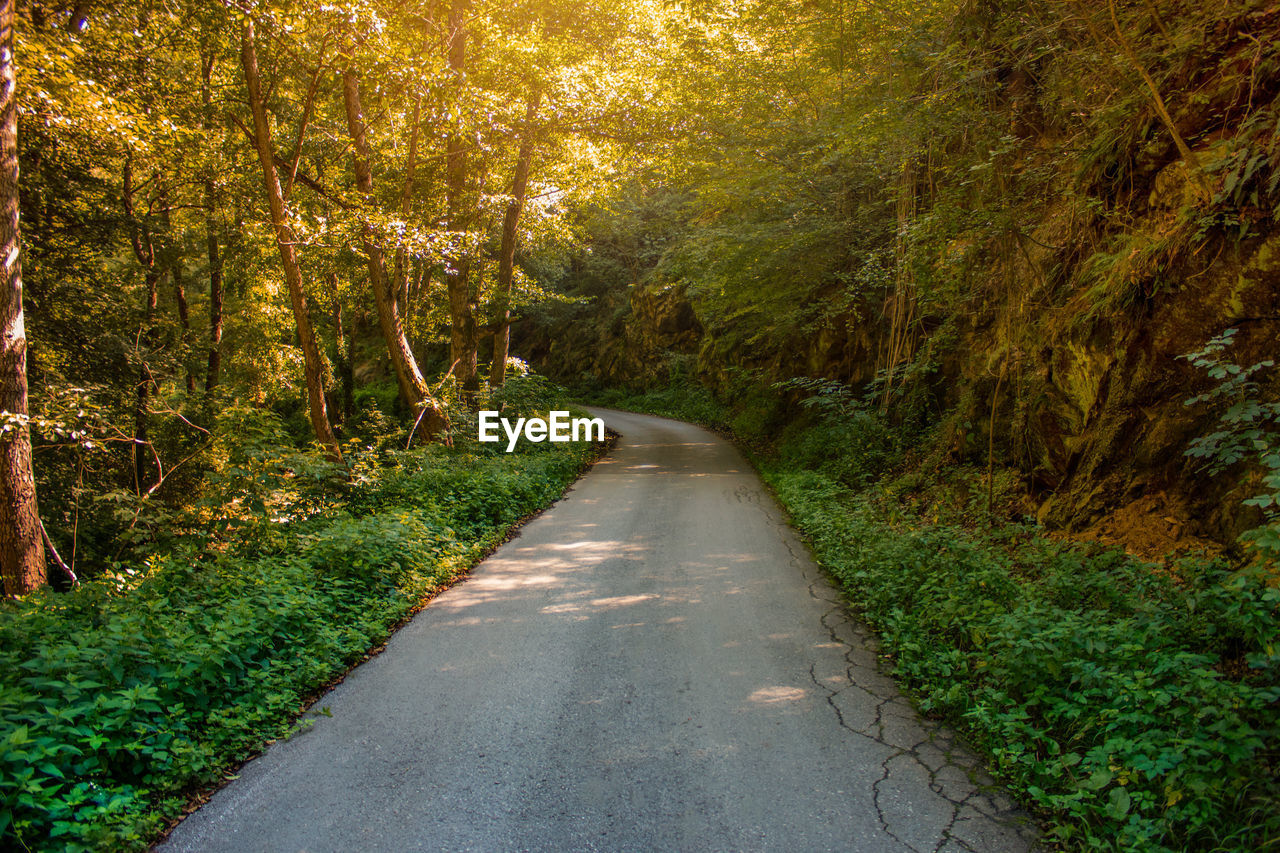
653	664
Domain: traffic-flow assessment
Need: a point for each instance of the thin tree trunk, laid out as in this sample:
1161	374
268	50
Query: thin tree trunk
413	387
1193	162
146	379
144	250
507	252
463	335
353	330
285	242
403	269
21	543
344	361
184	320
213	371
174	265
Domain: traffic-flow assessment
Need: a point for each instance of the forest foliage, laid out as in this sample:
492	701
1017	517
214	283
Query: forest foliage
151	681
273	253
984	210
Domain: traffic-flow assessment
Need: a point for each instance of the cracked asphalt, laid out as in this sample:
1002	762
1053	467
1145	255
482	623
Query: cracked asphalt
654	663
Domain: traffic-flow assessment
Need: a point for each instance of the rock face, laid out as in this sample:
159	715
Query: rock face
1093	408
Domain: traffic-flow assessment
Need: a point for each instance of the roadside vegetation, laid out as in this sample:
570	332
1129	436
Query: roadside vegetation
124	697
270	254
965	275
1132	705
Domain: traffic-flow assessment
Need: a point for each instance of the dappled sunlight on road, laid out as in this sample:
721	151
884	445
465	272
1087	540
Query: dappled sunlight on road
654	651
621	601
513	581
776	695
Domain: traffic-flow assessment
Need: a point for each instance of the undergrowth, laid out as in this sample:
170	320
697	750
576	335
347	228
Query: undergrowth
1136	707
685	401
119	699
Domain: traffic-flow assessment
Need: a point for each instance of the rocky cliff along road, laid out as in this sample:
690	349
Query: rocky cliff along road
653	664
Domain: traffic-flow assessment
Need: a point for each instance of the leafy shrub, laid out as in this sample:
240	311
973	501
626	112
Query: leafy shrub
525	393
757	415
382	397
850	440
1249	433
1137	707
117	698
687	402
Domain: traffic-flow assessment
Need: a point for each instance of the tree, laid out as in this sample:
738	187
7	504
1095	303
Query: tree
413	387
507	250
463	334
144	251
286	242
21	542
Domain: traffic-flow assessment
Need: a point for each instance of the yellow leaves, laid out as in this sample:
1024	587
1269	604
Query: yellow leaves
1123	775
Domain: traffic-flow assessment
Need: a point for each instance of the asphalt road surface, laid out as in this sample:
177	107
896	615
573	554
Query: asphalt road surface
652	664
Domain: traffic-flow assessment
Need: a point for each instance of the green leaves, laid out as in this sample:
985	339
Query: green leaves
1118	802
1136	711
123	697
1250	433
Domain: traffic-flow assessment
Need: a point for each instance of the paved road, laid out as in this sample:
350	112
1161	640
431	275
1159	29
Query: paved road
652	664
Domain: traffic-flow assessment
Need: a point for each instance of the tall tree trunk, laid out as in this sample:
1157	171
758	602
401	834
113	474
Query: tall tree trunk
21	543
212	374
146	380
184	320
463	335
413	387
214	369
173	264
144	250
403	268
507	251
285	242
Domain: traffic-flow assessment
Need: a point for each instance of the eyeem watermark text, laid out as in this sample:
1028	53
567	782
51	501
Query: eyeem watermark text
558	427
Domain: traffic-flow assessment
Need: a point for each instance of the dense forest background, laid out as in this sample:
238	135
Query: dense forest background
1006	271
1008	224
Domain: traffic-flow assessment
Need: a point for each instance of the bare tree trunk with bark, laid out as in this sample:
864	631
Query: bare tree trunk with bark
463	334
286	241
507	251
213	372
413	387
144	250
21	543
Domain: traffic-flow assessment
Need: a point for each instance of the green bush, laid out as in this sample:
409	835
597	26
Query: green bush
687	402
525	393
1137	706
855	451
151	680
